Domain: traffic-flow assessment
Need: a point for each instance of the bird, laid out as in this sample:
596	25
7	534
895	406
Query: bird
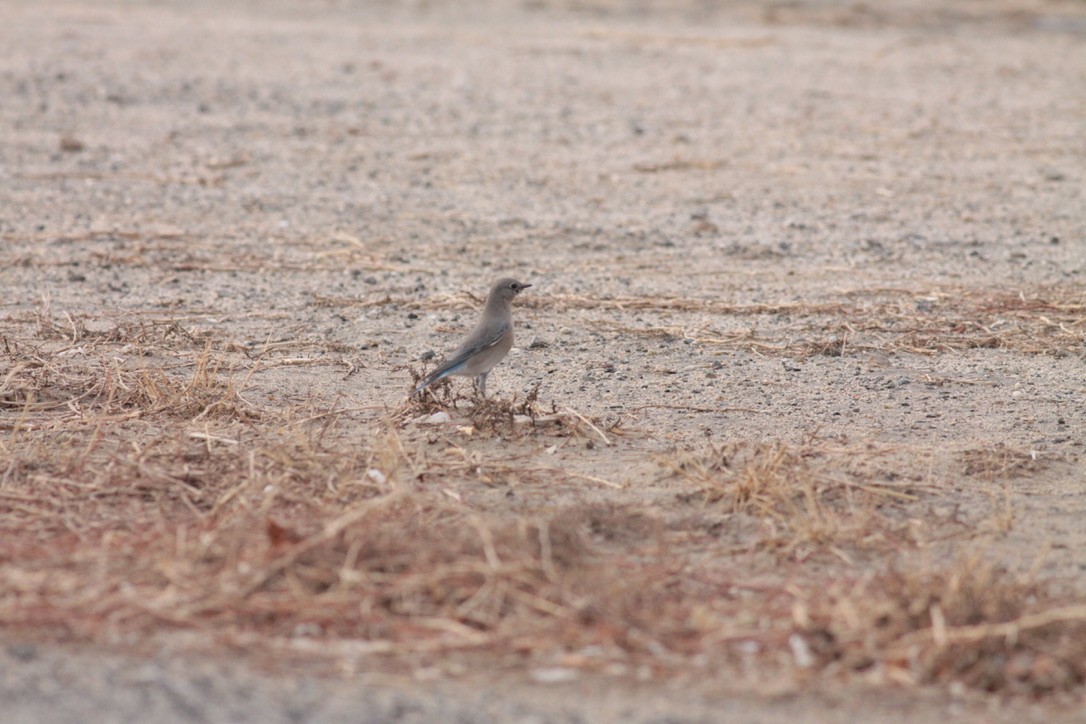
488	342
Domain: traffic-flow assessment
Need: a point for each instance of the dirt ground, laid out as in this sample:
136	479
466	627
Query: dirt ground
794	426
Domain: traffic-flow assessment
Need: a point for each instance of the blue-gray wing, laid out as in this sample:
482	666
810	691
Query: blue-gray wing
479	341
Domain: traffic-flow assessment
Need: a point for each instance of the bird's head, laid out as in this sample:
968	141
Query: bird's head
507	288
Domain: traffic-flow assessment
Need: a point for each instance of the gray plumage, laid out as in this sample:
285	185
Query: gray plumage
487	344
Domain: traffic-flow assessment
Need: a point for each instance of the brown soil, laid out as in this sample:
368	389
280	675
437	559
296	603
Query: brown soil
795	423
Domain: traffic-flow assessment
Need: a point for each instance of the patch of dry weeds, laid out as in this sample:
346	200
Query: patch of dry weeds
136	501
806	497
1002	461
968	622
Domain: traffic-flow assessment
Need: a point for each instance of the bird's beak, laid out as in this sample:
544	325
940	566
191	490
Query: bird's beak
525	286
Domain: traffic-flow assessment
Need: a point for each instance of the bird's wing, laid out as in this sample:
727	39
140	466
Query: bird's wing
477	342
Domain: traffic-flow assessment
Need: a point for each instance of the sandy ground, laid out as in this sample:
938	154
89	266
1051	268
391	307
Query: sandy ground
807	224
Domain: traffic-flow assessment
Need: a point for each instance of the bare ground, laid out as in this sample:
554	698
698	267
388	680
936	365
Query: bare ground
795	423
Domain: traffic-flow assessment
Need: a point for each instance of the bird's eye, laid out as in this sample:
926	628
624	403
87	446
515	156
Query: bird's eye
513	286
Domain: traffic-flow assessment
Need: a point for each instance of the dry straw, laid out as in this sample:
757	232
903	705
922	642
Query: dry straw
139	499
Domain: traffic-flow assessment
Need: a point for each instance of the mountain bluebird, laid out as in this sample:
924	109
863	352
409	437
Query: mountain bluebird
487	344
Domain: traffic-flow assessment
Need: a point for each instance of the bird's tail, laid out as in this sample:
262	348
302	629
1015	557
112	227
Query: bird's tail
430	379
423	384
449	368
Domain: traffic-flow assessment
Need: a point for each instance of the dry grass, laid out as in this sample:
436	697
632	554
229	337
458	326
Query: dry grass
486	413
513	418
1001	461
1053	322
139	498
135	499
805	497
1049	321
969	622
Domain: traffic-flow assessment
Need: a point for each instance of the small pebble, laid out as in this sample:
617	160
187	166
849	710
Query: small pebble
553	675
438	418
70	144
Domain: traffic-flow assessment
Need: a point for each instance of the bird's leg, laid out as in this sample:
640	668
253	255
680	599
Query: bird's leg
480	384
